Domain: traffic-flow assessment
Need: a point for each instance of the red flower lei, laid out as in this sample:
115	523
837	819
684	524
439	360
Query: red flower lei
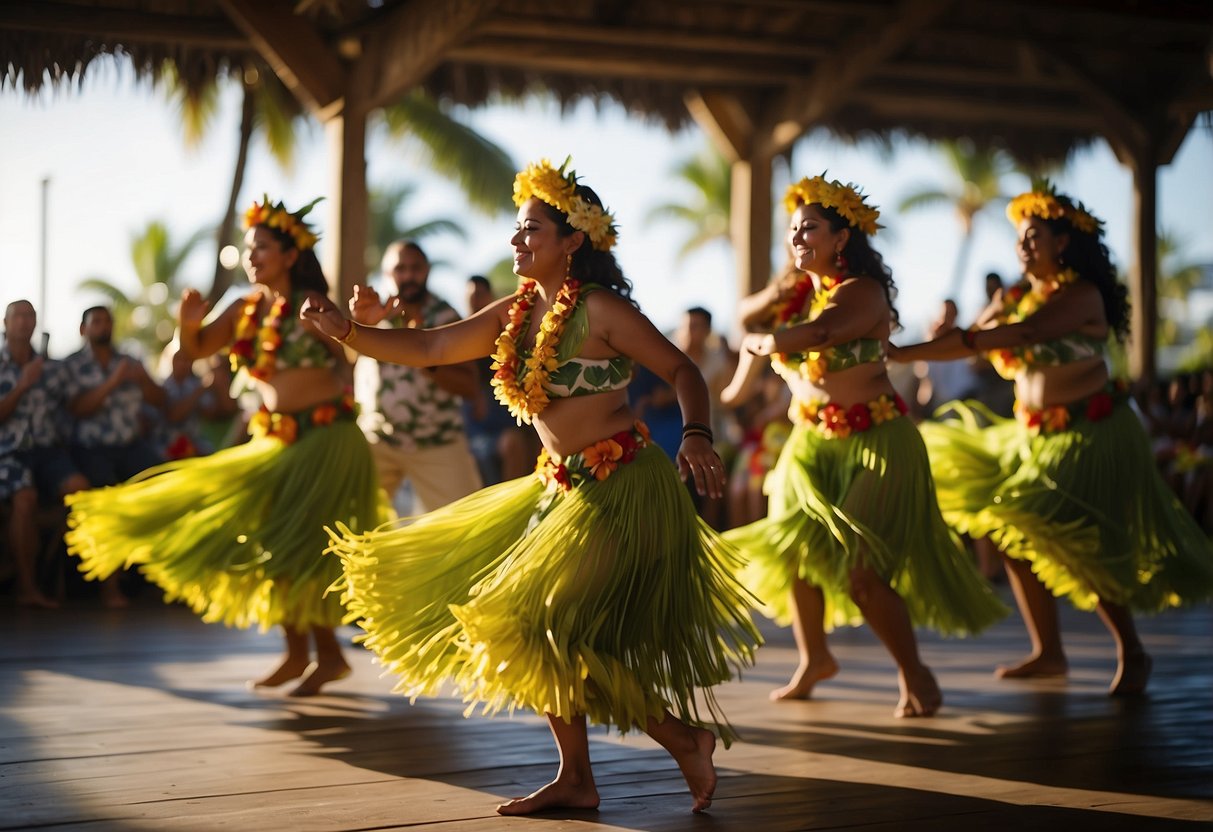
244	352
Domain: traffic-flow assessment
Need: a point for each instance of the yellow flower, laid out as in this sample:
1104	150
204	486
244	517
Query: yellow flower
558	188
814	367
845	199
883	410
1055	418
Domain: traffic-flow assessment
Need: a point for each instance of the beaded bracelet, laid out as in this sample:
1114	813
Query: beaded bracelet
696	426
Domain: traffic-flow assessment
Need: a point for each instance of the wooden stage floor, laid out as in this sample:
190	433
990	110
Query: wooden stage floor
139	720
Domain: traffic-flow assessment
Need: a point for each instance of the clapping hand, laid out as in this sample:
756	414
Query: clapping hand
323	314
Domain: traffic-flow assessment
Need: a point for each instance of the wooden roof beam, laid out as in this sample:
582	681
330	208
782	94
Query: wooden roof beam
406	45
609	62
298	55
912	109
121	25
564	31
834	79
727	119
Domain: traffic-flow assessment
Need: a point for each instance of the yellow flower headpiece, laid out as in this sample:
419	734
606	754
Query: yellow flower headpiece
1045	202
557	187
845	199
275	215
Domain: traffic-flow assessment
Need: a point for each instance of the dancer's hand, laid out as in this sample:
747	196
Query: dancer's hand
698	460
193	308
365	306
323	314
758	343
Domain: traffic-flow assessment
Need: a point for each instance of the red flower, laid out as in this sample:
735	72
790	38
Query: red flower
324	414
561	475
1034	419
180	448
859	417
1099	407
902	407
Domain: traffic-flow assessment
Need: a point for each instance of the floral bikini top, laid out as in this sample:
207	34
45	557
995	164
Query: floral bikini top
813	365
1021	301
576	376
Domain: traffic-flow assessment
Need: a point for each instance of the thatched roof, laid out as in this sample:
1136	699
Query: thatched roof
1038	77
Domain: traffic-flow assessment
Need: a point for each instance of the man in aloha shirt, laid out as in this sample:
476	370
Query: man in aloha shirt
417	431
33	460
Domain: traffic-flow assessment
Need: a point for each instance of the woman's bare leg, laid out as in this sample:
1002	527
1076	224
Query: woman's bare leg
330	663
1132	662
574	786
692	749
293	664
886	614
808	626
1039	610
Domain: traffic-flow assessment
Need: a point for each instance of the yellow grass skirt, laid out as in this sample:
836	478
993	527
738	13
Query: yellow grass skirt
236	535
865	499
1084	505
611	599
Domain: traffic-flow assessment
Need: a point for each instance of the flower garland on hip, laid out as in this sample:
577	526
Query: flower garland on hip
257	347
519	385
813	366
1019	302
558	188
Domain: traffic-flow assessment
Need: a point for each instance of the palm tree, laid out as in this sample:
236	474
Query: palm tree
387	207
706	213
148	317
977	186
481	168
1177	277
266	106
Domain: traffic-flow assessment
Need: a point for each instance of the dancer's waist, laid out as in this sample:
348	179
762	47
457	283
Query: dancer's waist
837	421
596	461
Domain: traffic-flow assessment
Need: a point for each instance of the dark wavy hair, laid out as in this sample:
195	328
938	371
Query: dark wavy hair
1087	255
863	260
589	264
306	274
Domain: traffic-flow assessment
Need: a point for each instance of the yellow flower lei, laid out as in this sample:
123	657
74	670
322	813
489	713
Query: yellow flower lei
275	215
845	199
558	188
527	399
1018	303
1043	201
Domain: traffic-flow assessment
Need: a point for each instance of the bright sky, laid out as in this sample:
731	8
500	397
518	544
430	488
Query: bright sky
115	159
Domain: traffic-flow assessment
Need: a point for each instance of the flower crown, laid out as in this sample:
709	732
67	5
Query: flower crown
845	199
558	188
1045	202
275	215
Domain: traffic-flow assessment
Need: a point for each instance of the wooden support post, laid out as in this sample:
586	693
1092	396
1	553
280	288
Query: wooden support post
1143	272
345	246
750	216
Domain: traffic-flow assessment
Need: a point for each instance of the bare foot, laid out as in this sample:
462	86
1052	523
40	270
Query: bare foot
34	598
559	794
1034	666
697	767
920	694
805	678
319	676
291	668
1132	674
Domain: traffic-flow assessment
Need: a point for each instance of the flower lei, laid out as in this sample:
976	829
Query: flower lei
834	421
1019	302
813	367
1095	408
1045	202
845	199
275	215
528	399
598	460
558	188
244	352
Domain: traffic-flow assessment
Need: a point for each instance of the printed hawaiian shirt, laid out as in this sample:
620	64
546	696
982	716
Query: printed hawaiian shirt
116	422
416	412
37	420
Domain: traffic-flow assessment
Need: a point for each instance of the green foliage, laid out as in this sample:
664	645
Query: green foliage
705	214
388	206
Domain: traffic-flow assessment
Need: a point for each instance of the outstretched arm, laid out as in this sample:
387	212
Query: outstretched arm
455	343
856	309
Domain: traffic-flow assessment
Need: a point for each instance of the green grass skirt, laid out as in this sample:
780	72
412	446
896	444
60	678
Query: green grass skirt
612	600
236	535
1085	506
835	504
